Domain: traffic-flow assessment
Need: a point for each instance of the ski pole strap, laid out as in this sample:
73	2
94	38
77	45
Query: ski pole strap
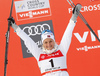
54	71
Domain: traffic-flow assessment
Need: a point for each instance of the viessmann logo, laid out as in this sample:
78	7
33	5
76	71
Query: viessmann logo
93	0
83	39
87	48
33	14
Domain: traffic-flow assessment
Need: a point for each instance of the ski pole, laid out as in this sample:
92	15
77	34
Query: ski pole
83	19
7	42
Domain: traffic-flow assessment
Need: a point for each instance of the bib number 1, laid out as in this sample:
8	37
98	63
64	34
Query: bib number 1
51	61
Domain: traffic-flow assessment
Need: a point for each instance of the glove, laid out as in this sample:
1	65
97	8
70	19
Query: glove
76	12
11	22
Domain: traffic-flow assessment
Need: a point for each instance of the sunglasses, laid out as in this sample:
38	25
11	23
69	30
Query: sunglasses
46	31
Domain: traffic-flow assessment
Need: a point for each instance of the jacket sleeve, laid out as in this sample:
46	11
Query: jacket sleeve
30	44
66	39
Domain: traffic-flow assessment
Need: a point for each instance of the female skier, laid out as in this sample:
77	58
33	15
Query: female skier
52	58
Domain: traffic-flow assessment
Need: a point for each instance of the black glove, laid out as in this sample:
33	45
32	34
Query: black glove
11	20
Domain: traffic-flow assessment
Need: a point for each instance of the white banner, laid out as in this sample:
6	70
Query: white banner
32	9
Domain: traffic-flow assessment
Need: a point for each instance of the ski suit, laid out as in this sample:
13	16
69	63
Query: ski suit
50	64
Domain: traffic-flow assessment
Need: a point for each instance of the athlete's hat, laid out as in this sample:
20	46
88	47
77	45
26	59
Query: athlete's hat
47	34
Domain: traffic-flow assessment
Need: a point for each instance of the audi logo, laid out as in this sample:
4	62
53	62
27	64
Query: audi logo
36	29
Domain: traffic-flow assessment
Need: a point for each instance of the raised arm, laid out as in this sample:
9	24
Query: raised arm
30	44
66	39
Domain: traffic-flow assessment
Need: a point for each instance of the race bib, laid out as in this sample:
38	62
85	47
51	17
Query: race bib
52	61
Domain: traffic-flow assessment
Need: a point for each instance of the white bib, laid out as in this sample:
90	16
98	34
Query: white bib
50	62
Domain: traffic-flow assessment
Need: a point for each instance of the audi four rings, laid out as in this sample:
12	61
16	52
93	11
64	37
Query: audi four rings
35	31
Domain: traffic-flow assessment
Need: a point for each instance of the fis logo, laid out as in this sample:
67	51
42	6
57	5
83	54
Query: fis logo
22	6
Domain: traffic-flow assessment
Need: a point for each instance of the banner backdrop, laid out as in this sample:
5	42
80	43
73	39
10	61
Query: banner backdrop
83	57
